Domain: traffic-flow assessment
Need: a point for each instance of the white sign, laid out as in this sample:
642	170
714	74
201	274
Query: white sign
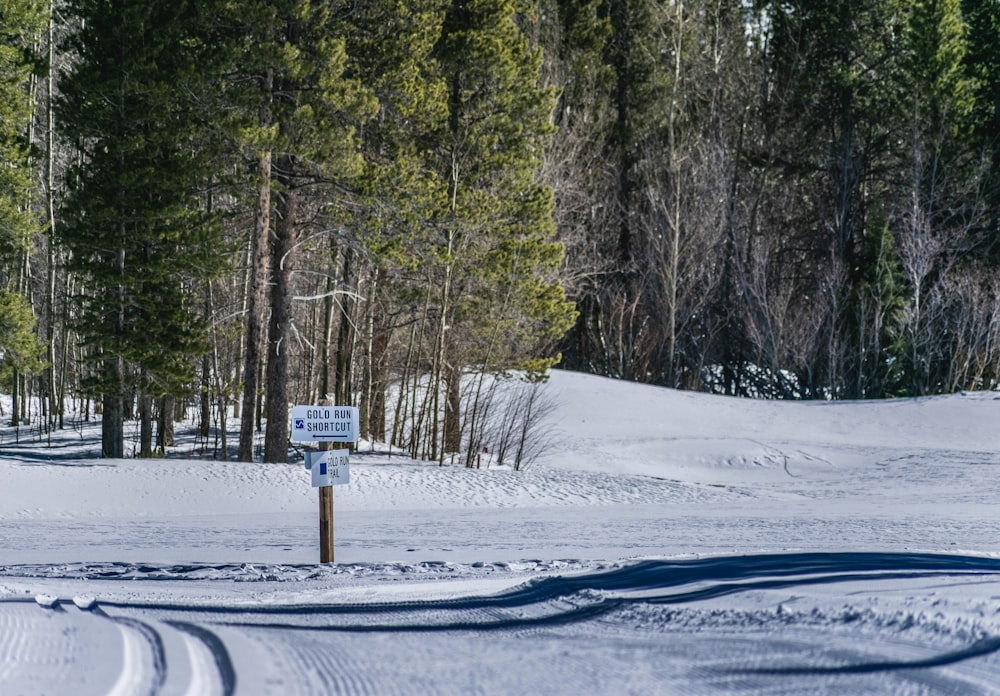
325	424
329	468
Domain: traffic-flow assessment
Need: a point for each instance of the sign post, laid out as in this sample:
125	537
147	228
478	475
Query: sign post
325	522
333	427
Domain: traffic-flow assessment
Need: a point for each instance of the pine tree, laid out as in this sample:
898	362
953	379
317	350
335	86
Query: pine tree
875	304
982	61
941	92
20	349
832	117
499	305
133	221
615	93
300	113
394	49
582	172
21	21
943	173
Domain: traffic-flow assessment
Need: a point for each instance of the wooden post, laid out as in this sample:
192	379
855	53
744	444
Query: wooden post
325	509
326	524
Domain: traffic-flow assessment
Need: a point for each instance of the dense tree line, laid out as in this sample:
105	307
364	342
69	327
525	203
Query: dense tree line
792	199
243	205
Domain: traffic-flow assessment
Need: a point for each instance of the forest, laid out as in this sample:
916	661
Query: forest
238	205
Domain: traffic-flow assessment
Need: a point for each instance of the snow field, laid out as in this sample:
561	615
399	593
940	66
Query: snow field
668	542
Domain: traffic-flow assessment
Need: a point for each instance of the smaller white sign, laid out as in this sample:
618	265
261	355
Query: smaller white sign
329	468
324	424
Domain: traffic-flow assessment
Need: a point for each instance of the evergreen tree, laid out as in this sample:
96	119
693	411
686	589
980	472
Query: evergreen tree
832	119
21	21
937	206
20	349
583	179
876	302
631	53
941	93
300	113
394	50
133	221
499	302
982	62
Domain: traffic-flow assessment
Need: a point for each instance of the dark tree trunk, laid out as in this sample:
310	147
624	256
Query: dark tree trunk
279	345
259	252
112	429
453	409
15	410
255	311
145	425
204	404
379	383
345	338
165	423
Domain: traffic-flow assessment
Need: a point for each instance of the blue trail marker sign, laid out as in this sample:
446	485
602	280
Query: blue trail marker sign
329	468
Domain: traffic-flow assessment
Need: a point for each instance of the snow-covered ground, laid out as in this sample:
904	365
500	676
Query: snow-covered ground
669	543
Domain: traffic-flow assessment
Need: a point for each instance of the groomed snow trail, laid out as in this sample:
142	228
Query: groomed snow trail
738	624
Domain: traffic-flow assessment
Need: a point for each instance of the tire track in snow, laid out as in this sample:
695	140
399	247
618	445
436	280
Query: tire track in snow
131	677
828	667
186	658
980	648
568	599
139	640
219	658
